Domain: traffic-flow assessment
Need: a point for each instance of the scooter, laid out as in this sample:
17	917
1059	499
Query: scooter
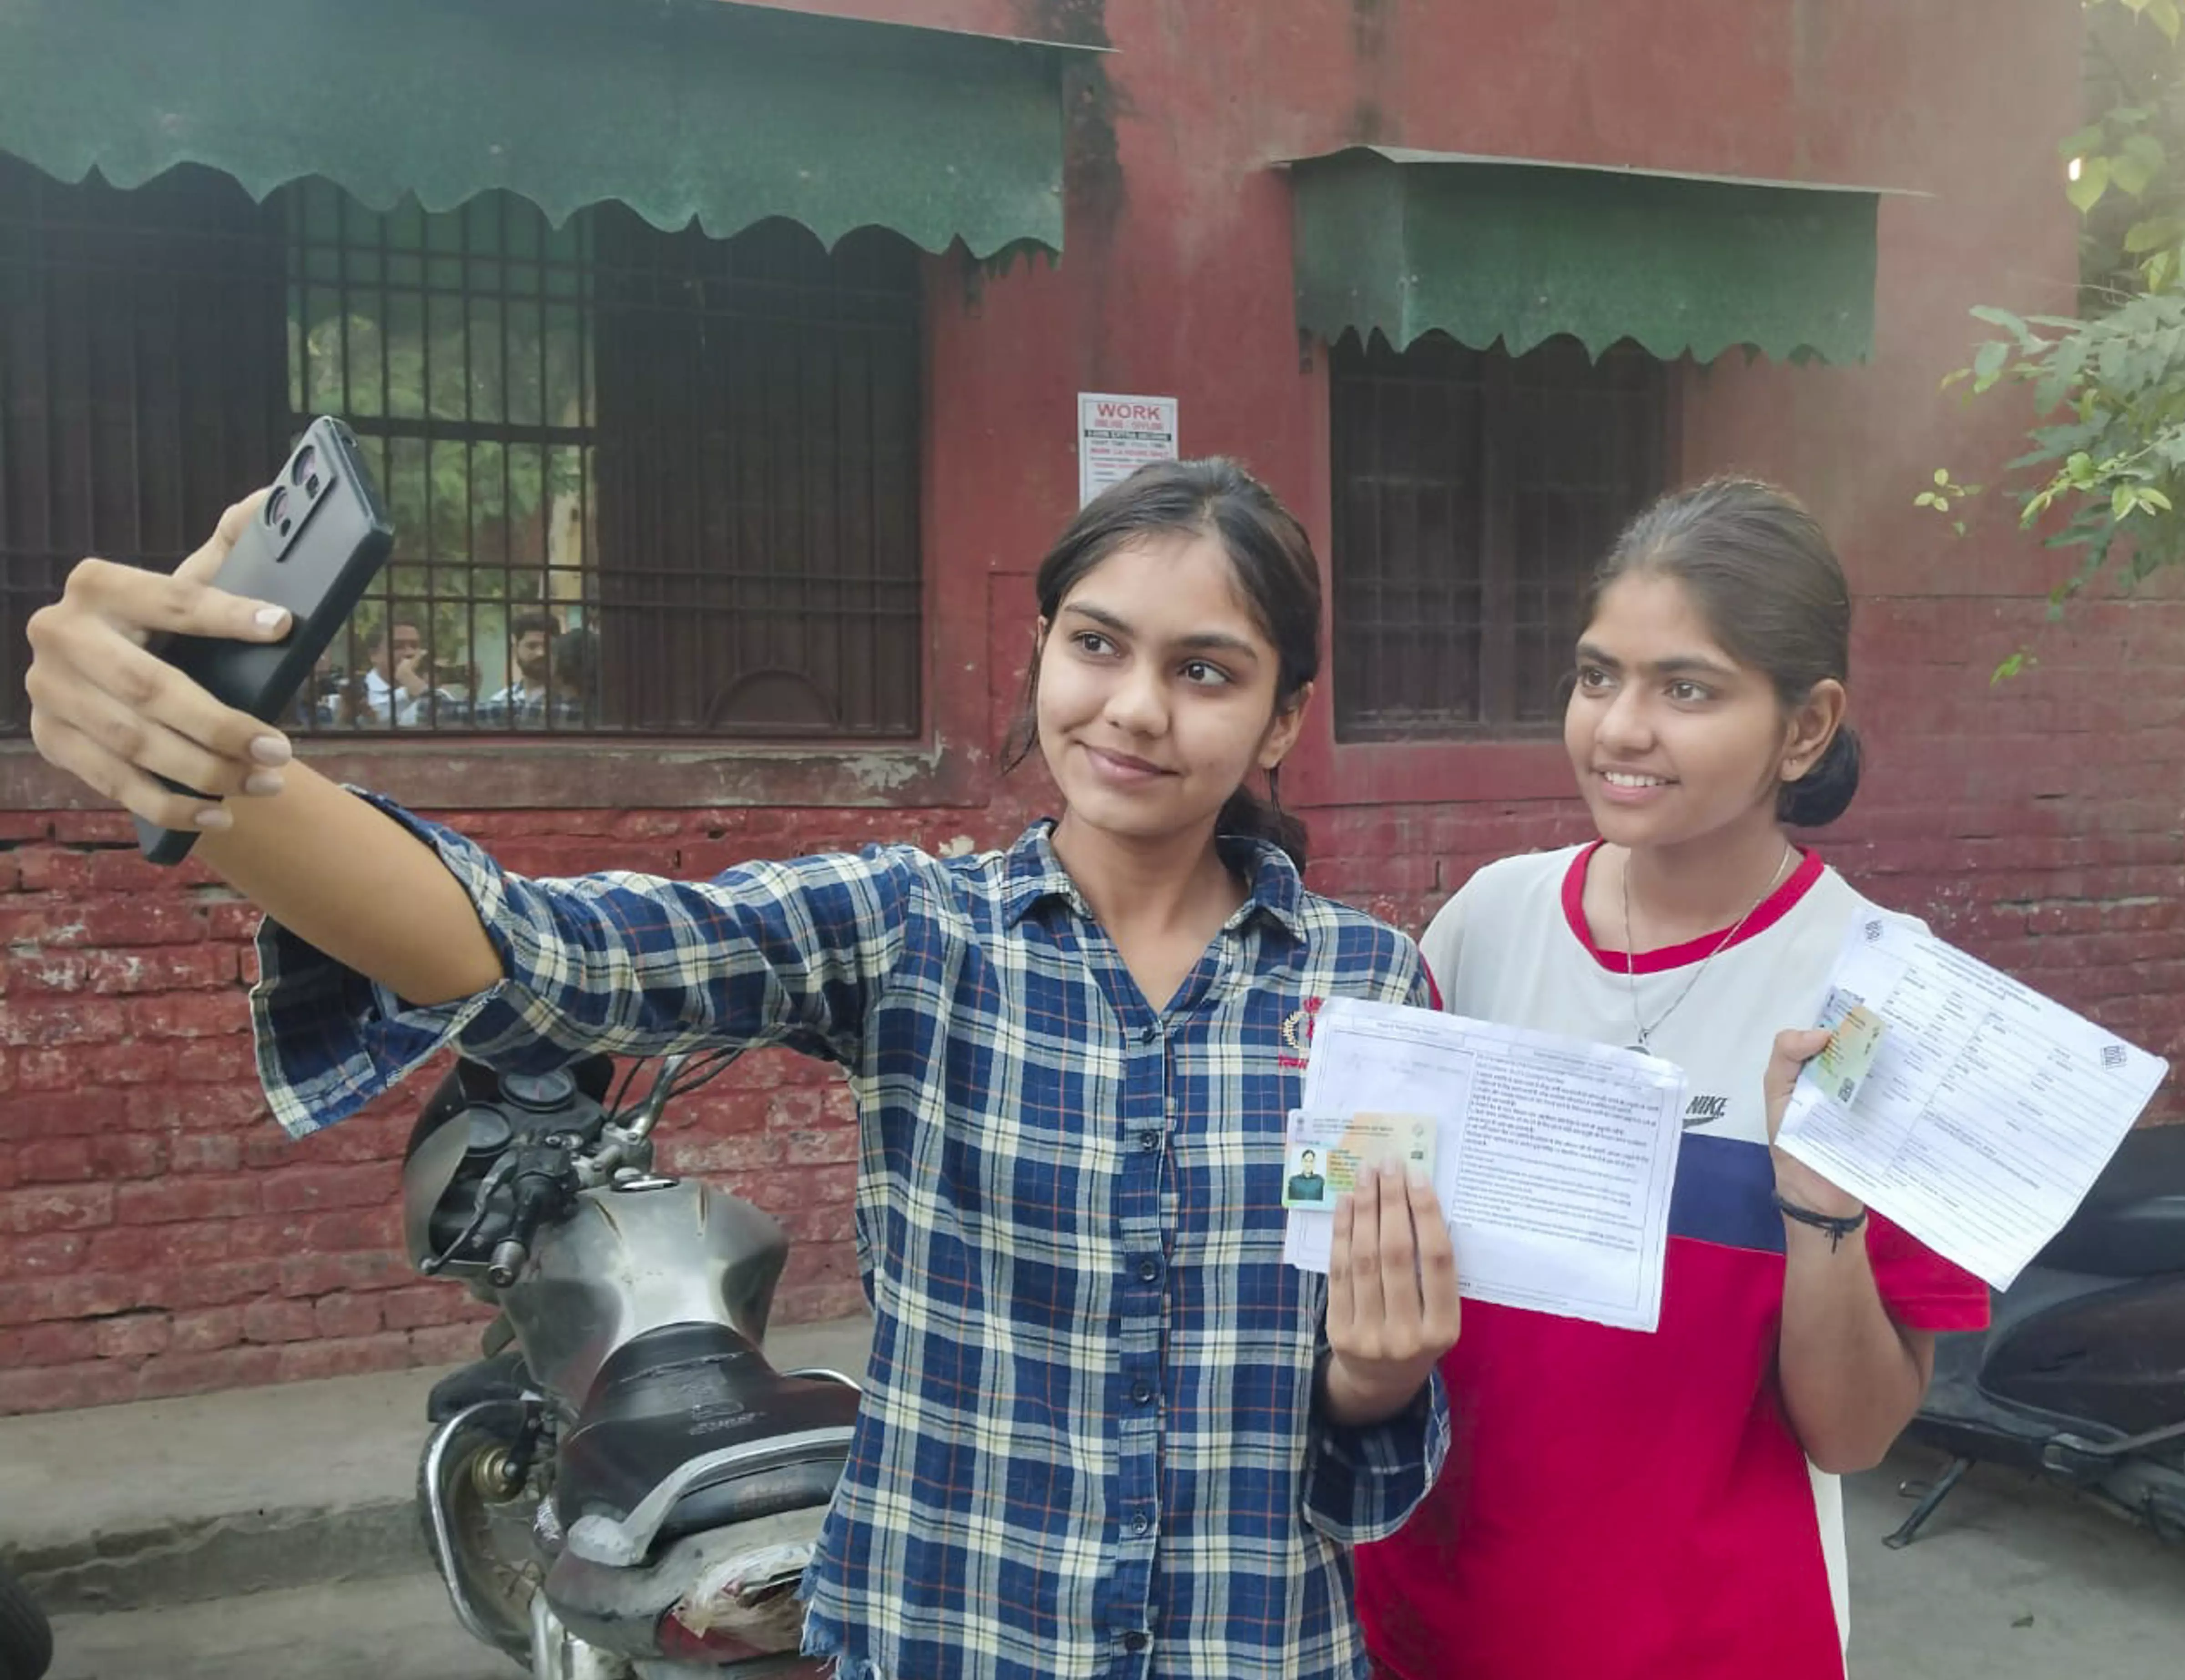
26	1641
623	1488
2080	1377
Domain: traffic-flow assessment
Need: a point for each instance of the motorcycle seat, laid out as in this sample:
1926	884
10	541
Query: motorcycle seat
684	1391
2132	1222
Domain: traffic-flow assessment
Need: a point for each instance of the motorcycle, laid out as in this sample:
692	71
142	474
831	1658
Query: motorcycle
26	1641
2080	1377
622	1488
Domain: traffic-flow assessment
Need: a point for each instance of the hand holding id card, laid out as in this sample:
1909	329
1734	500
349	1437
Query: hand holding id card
1855	1034
1327	1154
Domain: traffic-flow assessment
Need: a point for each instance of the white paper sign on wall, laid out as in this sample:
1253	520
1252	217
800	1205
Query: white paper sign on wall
1118	435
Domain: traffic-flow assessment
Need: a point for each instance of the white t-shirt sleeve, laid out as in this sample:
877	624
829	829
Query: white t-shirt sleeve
1443	943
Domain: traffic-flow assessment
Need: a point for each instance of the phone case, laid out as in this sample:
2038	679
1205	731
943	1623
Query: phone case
320	536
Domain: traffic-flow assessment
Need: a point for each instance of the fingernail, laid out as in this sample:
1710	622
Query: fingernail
262	781
1392	1170
1418	1176
271	617
272	750
214	817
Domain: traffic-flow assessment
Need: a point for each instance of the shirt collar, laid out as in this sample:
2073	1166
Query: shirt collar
1034	874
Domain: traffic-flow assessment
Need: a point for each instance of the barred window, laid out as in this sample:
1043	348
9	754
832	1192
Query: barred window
141	378
642	483
1474	491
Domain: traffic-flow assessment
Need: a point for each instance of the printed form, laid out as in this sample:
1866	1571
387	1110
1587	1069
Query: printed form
1988	1111
1556	1158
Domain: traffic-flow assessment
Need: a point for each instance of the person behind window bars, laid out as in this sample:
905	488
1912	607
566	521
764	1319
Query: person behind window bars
397	690
526	701
1106	1429
569	669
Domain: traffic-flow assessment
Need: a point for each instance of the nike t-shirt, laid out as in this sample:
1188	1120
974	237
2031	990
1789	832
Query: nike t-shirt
1617	1506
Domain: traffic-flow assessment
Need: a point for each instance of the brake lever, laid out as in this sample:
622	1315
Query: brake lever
432	1264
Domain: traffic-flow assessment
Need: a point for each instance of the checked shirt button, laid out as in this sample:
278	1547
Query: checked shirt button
1149	1141
1149	1271
1141	1523
1143	1393
1136	1641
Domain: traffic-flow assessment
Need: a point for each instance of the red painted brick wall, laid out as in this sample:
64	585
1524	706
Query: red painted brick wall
157	1235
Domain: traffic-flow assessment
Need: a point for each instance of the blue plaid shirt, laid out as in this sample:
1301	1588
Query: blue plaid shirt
1089	1445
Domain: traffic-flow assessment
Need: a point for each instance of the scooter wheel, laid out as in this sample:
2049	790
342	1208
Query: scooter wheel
26	1641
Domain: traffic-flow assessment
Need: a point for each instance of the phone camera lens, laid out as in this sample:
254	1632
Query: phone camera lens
306	459
276	509
311	485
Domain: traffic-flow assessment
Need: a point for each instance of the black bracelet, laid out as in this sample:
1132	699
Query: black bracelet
1837	1229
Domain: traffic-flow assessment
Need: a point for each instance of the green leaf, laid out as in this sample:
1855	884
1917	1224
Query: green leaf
2122	500
1927	499
1943	476
2094	180
2009	323
2089	139
2153	233
2155	499
2164	16
1987	368
2129	175
1957	526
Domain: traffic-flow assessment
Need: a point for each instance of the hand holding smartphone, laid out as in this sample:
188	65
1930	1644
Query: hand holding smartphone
320	536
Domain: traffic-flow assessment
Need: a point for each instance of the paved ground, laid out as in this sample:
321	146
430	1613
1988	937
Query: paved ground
2010	1580
154	1506
396	1629
2012	1583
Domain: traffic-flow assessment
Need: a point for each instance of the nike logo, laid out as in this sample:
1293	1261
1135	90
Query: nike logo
1706	1110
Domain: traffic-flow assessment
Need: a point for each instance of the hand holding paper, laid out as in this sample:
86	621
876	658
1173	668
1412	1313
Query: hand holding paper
1393	1307
1797	1058
1555	1158
1987	1112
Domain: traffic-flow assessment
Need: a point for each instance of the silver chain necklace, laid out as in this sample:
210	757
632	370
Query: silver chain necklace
1630	972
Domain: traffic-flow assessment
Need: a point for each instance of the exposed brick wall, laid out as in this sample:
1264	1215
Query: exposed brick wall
159	1235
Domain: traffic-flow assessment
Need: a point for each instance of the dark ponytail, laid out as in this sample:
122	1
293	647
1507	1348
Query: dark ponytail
1760	570
1824	792
1276	575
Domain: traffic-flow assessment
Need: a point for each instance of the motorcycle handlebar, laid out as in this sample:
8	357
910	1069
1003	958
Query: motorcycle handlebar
507	1263
655	1100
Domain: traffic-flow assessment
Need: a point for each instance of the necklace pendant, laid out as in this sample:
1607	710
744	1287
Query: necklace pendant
1642	1048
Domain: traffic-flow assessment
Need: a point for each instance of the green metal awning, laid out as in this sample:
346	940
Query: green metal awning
1485	249
680	108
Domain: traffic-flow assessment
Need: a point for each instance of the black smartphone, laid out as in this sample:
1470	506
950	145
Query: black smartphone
320	537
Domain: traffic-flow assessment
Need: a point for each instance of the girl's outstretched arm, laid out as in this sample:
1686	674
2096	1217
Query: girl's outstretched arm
344	876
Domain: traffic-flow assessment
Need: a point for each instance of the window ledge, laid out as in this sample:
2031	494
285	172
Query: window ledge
594	774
